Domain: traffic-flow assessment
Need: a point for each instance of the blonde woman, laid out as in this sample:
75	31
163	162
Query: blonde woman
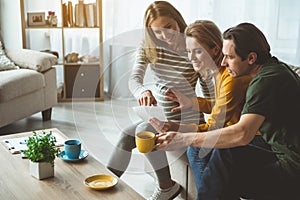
164	52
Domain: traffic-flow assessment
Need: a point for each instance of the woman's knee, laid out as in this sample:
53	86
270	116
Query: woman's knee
126	142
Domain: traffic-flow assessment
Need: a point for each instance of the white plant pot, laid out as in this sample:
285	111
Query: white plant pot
41	170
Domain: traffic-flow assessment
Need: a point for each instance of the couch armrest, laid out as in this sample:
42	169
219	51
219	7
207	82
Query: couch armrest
295	69
31	59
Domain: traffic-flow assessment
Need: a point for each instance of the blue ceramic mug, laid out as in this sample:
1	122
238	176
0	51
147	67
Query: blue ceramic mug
72	148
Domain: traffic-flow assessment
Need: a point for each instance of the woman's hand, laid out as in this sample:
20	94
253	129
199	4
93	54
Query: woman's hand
184	101
147	99
163	127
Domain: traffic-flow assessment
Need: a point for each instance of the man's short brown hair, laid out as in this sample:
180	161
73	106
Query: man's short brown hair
248	38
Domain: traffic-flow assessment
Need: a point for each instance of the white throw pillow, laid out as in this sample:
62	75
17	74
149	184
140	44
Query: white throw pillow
5	62
31	59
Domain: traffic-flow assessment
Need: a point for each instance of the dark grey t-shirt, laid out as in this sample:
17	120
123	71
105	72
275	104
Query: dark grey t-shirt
275	94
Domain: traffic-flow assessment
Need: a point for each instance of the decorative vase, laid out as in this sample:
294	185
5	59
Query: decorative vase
41	170
53	20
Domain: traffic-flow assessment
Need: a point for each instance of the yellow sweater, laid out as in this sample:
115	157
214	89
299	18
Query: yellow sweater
226	108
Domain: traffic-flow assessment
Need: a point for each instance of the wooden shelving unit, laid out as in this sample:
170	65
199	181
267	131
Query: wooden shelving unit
83	81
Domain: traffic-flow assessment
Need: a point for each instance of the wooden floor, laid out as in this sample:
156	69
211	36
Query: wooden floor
98	125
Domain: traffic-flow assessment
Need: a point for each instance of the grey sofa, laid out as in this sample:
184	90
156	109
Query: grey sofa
29	88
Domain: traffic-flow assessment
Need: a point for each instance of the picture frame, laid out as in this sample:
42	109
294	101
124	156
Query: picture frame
36	19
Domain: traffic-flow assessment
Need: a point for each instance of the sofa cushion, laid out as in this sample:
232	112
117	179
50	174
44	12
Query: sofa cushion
295	69
5	62
31	59
15	83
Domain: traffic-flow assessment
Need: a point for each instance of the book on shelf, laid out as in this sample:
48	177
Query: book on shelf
65	15
79	14
91	14
98	13
95	14
70	14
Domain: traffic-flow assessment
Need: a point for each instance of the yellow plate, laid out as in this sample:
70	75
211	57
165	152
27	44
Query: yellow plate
100	182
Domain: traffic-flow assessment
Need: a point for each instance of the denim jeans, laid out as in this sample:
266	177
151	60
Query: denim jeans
198	159
248	171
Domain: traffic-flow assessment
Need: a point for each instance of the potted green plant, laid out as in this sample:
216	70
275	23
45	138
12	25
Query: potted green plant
41	152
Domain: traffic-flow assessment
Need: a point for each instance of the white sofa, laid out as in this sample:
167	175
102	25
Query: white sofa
29	89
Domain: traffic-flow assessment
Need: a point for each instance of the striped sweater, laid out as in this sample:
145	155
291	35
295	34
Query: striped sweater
171	70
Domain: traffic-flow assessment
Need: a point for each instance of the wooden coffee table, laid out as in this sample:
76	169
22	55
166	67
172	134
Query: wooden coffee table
67	183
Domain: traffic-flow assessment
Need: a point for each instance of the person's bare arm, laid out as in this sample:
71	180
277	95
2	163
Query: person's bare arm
239	134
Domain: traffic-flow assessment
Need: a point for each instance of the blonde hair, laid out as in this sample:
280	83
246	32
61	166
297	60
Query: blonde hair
155	10
207	32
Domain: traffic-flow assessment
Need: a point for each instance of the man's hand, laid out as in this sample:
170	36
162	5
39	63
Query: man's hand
171	141
147	99
184	101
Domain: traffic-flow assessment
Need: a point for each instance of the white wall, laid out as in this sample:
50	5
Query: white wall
278	19
10	20
283	39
